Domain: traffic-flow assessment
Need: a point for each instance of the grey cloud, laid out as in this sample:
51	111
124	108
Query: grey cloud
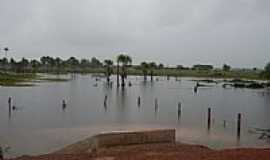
172	31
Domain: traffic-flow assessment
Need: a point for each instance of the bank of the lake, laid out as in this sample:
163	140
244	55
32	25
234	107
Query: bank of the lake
161	151
23	79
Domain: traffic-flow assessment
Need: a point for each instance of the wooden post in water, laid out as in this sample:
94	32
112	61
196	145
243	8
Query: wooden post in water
9	106
209	119
1	154
64	105
139	101
156	104
105	101
238	125
9	101
179	109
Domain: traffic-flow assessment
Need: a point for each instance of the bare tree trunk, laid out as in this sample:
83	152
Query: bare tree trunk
151	75
123	76
118	74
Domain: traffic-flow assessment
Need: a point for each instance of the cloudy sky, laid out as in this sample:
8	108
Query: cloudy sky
236	32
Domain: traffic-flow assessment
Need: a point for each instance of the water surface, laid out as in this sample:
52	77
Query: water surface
40	125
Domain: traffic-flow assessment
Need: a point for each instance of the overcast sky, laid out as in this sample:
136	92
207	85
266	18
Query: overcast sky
236	32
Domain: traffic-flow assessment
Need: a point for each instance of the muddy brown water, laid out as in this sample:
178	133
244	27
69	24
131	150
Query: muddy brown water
40	125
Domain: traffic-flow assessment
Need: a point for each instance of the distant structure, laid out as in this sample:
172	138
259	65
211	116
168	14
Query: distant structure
202	67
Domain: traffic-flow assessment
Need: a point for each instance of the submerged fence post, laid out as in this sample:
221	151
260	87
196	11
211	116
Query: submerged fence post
1	154
9	101
64	105
209	119
238	125
139	101
9	105
105	100
179	109
156	104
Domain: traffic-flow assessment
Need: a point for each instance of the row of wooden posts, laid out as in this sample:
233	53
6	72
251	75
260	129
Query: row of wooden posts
156	108
179	109
224	122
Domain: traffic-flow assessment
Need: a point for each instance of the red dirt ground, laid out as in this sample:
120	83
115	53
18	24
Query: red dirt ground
166	151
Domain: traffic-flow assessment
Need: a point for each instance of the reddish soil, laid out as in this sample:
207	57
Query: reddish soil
160	152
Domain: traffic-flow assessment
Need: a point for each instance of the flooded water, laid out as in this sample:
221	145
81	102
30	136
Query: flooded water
40	125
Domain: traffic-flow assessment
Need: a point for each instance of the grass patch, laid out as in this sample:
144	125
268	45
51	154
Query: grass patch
54	79
15	79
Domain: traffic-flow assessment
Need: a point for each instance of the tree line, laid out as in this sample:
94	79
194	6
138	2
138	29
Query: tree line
57	65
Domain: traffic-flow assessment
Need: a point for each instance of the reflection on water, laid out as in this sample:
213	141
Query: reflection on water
41	124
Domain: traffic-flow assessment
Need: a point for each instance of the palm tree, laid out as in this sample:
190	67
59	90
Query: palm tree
152	66
73	63
144	66
108	64
23	64
4	63
117	72
5	60
125	60
12	64
34	64
58	62
45	62
6	49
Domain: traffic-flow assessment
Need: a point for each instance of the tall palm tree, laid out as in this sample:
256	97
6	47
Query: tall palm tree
117	72
58	62
45	62
144	67
152	66
4	62
34	64
124	60
23	64
12	64
6	49
108	64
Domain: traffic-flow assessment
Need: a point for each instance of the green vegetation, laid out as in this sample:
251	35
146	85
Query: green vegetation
15	72
16	79
266	72
125	60
54	79
226	67
109	70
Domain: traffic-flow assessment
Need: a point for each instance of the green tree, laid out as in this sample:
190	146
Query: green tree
58	62
85	63
108	64
95	62
144	67
12	64
160	66
124	60
23	64
45	61
4	63
34	64
226	67
267	70
152	66
6	49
